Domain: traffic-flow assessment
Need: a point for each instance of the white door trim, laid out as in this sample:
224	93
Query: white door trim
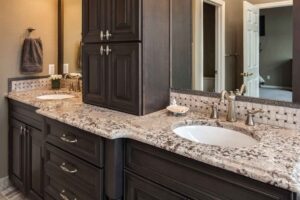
220	43
274	4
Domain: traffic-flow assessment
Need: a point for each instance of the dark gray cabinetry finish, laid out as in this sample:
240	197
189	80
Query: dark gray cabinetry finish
26	149
81	165
189	178
111	20
95	74
113	80
127	68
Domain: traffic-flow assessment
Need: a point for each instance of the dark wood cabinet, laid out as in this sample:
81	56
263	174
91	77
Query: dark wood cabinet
26	150
138	188
124	77
113	79
124	20
111	21
95	72
17	154
35	169
94	12
128	68
192	179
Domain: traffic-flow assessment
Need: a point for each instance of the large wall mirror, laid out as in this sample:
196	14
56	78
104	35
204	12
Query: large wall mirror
70	29
218	44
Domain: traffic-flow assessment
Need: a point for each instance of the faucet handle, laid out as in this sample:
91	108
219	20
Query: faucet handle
214	111
250	116
253	112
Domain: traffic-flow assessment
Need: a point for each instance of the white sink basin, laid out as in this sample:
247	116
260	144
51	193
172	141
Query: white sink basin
55	97
215	136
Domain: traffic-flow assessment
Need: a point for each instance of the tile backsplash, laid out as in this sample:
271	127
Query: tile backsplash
30	84
274	115
38	83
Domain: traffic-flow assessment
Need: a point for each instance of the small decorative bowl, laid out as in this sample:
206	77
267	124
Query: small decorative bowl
178	110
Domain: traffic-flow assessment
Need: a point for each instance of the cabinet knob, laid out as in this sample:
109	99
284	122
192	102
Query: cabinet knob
101	50
108	35
107	50
105	35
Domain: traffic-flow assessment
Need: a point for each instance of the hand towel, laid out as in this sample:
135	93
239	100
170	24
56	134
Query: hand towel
32	56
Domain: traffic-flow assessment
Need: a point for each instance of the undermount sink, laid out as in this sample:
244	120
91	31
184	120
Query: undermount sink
215	136
55	97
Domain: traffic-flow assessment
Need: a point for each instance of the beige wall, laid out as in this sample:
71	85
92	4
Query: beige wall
15	17
72	33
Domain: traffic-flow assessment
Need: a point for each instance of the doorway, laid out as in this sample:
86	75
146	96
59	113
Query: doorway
209	45
268	50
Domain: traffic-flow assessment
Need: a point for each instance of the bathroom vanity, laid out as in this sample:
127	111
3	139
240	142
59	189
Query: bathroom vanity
79	151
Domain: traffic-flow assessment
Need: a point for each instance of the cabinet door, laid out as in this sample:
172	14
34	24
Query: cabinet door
124	20
94	75
34	142
125	78
93	20
17	154
140	189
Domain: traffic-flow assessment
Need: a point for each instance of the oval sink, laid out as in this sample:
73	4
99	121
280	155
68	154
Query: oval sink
55	97
215	136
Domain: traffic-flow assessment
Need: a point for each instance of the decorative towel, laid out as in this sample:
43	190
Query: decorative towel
32	56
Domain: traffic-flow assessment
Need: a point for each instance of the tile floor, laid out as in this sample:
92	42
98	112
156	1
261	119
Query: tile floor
11	193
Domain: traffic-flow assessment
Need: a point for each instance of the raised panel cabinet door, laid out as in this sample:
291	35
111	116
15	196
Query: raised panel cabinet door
94	75
94	14
138	188
17	154
124	20
35	171
125	77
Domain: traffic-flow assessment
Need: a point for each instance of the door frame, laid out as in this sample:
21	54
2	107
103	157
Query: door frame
220	45
275	4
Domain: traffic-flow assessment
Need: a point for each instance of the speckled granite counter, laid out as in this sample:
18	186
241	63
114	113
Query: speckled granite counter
275	160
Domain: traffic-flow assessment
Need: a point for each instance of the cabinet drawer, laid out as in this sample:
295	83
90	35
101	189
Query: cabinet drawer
74	172
56	189
26	114
80	143
139	189
196	179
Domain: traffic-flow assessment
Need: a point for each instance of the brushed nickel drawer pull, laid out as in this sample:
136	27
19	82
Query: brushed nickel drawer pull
64	196
65	169
65	139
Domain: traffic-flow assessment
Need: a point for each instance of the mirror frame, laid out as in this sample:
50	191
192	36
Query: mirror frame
60	55
296	72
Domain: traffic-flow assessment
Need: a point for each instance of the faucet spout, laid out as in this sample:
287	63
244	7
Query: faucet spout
231	107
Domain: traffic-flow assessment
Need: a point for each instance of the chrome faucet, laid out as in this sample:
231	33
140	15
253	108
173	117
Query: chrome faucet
231	107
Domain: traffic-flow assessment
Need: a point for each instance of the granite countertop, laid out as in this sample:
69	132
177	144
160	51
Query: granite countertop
274	160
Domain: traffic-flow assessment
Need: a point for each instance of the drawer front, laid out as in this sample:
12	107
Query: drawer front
57	189
26	114
74	172
80	143
138	188
196	179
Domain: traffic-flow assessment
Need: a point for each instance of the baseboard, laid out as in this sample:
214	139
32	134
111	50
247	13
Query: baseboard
276	87
4	183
